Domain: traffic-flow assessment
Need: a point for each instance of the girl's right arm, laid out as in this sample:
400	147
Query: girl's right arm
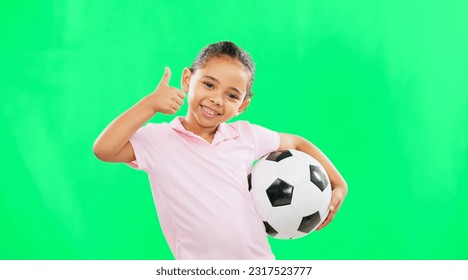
113	145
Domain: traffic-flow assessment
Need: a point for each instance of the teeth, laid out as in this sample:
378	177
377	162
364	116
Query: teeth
209	111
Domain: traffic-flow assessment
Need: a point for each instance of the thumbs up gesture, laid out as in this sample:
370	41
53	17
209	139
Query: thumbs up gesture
167	99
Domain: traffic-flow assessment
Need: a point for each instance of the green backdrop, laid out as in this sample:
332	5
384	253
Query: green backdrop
380	86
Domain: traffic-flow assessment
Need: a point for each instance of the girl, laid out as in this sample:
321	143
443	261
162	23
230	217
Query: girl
198	164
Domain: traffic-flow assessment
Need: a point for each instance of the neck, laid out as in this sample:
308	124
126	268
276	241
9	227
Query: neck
206	133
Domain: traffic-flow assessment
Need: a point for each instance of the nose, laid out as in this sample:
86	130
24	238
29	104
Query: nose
216	99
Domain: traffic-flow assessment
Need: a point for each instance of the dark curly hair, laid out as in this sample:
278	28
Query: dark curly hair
226	48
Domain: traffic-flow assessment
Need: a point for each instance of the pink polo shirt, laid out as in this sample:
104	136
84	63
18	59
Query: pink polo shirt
201	190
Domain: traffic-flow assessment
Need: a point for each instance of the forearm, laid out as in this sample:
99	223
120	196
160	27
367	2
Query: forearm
119	131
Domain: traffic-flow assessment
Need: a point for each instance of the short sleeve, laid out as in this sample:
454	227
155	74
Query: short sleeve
144	144
266	140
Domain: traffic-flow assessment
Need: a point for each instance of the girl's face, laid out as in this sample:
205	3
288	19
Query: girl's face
216	92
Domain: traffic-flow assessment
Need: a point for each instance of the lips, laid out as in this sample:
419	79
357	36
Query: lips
208	112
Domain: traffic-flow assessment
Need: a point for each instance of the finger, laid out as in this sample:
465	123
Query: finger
325	223
333	204
181	94
170	110
175	107
166	77
329	218
179	101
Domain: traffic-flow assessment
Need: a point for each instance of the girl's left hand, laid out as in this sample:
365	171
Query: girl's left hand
338	195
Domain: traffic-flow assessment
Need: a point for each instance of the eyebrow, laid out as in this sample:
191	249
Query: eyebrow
216	80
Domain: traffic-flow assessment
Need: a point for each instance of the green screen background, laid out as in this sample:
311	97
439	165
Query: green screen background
380	86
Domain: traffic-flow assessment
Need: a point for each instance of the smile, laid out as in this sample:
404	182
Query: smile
208	112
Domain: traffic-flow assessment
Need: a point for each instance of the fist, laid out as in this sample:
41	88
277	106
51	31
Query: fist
167	99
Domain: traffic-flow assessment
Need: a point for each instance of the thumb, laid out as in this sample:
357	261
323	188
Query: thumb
166	77
333	204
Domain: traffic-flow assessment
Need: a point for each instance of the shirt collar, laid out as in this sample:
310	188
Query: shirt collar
224	131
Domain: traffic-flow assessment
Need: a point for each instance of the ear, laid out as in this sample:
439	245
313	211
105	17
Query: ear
185	81
244	105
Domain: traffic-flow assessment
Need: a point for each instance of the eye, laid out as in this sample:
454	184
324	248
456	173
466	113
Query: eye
209	85
232	96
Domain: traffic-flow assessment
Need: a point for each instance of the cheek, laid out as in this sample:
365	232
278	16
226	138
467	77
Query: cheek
232	109
195	88
191	92
190	98
194	96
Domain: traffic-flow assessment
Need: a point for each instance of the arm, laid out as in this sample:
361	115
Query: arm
338	184
113	144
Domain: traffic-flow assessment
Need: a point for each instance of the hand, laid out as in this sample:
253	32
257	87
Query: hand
338	195
167	99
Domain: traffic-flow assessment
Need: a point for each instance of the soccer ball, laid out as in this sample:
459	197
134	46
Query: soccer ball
291	192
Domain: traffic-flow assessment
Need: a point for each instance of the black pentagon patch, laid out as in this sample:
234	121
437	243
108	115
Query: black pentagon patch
280	193
309	222
318	177
269	229
279	155
249	180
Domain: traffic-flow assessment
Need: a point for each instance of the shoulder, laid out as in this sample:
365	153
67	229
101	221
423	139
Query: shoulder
245	128
242	125
262	139
150	129
239	125
155	126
